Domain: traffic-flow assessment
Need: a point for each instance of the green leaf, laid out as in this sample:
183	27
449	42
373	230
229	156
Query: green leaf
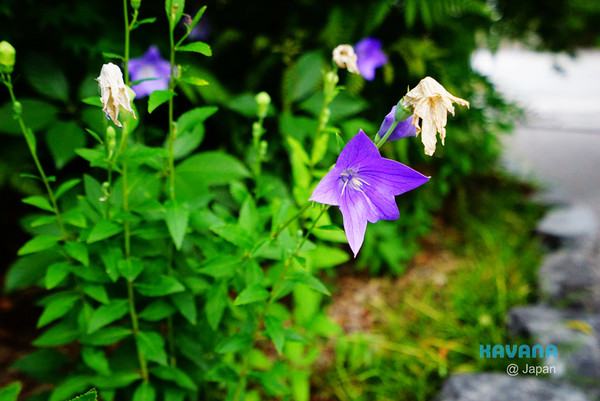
58	306
197	172
325	256
45	76
235	343
91	395
254	293
144	392
106	314
174	10
319	148
249	218
65	186
78	251
62	139
102	230
157	310
94	135
112	55
220	266
27	270
302	78
190	130
158	286
60	334
130	268
96	360
38	201
194	81
97	292
69	387
37	113
56	273
234	234
186	305
144	21
196	47
152	346
159	97
38	244
216	303
93	101
43	364
222	373
177	217
171	373
299	161
274	330
307	279
10	392
117	379
106	336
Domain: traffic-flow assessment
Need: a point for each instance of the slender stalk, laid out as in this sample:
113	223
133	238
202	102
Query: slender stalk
126	227
6	79
172	130
387	135
274	291
283	225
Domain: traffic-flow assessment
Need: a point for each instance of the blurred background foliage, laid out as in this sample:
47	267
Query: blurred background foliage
281	47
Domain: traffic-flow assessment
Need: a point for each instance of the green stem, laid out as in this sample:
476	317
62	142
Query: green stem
283	225
126	227
387	135
172	131
6	79
274	291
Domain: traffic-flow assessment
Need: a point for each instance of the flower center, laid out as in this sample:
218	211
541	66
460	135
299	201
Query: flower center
350	178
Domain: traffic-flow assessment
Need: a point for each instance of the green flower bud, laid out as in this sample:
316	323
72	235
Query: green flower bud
111	140
7	56
331	80
17	108
401	112
263	100
135	4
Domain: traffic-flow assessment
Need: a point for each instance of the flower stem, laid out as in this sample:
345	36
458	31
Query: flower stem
283	225
380	143
274	291
126	228
30	139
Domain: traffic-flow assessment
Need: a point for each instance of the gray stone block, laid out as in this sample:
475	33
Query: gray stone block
501	387
570	278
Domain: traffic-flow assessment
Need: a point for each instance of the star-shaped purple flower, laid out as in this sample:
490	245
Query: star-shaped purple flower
150	65
370	57
363	184
402	130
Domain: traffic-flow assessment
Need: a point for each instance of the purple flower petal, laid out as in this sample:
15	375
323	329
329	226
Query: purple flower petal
363	185
402	130
353	209
150	65
370	57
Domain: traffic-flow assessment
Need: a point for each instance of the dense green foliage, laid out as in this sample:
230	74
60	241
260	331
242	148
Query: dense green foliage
180	256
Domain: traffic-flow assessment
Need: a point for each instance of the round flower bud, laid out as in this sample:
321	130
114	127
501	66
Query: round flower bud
263	100
135	4
7	56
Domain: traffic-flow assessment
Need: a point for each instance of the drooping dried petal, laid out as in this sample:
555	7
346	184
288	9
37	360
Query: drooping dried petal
344	57
431	102
113	92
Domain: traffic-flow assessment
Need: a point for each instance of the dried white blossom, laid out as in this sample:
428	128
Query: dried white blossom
344	57
431	102
113	92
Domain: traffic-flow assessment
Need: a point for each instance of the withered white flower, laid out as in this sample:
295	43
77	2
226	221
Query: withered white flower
431	102
344	57
113	92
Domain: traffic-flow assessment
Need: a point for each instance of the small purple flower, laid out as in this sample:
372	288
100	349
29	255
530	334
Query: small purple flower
402	130
363	184
370	57
150	65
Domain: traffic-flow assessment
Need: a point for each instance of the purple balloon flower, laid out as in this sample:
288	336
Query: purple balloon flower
363	184
150	65
402	130
370	57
